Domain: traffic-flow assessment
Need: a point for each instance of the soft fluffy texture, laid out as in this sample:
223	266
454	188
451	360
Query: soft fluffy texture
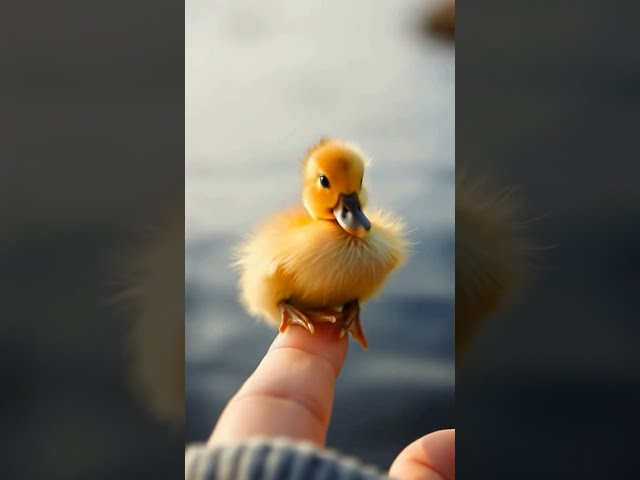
315	263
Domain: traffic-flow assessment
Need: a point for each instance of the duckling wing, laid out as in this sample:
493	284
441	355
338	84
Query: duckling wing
266	250
260	260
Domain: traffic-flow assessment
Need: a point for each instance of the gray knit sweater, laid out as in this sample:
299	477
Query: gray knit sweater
273	459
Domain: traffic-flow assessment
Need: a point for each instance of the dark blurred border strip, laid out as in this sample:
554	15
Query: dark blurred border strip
548	108
92	157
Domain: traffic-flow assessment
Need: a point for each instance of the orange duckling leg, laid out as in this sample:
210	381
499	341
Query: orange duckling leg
351	322
291	315
349	317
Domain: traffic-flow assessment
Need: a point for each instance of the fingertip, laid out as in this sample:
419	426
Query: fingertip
325	342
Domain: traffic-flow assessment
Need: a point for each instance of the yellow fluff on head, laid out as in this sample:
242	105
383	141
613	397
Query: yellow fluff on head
326	253
490	255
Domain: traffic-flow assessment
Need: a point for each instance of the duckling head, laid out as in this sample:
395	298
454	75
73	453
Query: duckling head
332	185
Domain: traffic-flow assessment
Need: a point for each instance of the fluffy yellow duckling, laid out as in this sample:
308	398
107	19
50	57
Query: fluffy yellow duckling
321	262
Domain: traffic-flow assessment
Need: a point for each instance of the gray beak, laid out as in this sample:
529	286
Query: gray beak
349	215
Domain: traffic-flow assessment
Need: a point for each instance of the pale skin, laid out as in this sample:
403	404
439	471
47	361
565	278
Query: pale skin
290	394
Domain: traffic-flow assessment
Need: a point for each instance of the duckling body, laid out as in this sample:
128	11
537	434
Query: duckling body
299	268
314	264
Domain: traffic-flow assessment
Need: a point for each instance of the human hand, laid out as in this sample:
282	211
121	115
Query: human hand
291	393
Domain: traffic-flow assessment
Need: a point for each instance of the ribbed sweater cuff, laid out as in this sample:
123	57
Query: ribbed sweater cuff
273	459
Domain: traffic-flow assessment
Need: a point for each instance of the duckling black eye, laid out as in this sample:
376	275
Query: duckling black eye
324	181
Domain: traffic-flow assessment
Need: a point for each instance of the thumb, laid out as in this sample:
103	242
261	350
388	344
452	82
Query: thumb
431	457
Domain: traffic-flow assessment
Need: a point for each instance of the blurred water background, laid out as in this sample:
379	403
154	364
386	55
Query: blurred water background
263	81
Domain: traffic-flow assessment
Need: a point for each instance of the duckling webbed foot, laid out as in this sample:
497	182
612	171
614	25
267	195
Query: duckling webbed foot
291	315
351	323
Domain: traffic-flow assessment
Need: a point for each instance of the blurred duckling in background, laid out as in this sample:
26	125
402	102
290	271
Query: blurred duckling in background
441	20
490	256
320	263
154	284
